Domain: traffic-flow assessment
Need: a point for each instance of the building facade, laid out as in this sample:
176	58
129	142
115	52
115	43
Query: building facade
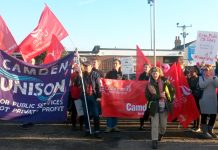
107	55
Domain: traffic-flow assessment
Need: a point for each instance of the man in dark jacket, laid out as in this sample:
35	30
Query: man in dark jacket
95	67
92	92
115	73
144	76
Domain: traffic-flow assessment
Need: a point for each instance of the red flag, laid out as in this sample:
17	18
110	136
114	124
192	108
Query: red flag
158	64
140	61
172	75
7	42
185	109
189	111
54	50
39	39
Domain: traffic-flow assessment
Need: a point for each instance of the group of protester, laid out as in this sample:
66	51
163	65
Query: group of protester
203	83
91	95
159	93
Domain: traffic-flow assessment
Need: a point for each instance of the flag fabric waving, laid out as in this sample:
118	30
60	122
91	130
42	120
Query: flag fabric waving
185	109
7	42
189	111
54	50
140	61
39	39
172	75
158	64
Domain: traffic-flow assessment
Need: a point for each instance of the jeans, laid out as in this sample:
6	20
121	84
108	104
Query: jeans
93	110
111	122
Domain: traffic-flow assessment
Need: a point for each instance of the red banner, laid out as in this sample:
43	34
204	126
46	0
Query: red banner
39	39
7	42
123	98
54	50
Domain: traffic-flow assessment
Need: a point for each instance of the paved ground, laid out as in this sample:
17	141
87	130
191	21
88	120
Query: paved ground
61	137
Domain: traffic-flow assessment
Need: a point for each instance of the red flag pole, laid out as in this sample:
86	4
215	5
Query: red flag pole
83	87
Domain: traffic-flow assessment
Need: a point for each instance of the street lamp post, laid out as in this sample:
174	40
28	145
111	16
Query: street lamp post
152	3
184	33
151	37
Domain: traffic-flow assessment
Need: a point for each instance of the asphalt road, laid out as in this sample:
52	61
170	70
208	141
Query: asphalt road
61	137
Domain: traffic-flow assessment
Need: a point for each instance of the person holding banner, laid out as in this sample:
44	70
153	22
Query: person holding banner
160	95
91	80
144	76
208	101
115	73
74	98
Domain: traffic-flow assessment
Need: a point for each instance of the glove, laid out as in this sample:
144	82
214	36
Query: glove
98	99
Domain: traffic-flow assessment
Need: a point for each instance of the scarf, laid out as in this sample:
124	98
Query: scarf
152	89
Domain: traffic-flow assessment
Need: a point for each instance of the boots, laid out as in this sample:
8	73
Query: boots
160	137
116	129
210	131
204	129
141	124
154	144
81	123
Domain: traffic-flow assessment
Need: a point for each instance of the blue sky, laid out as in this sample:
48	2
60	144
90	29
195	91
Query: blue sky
113	23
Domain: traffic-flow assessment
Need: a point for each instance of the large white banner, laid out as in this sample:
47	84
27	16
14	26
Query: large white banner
206	47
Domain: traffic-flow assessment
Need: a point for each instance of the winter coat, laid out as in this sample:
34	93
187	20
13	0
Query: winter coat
144	76
92	79
153	99
208	102
114	74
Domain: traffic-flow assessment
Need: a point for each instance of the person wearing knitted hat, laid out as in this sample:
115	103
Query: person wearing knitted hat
160	95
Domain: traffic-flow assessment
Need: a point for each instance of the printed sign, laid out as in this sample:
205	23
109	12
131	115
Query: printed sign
34	93
127	65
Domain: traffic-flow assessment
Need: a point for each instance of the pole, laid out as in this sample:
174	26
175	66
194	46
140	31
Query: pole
155	63
151	25
184	33
83	88
152	3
